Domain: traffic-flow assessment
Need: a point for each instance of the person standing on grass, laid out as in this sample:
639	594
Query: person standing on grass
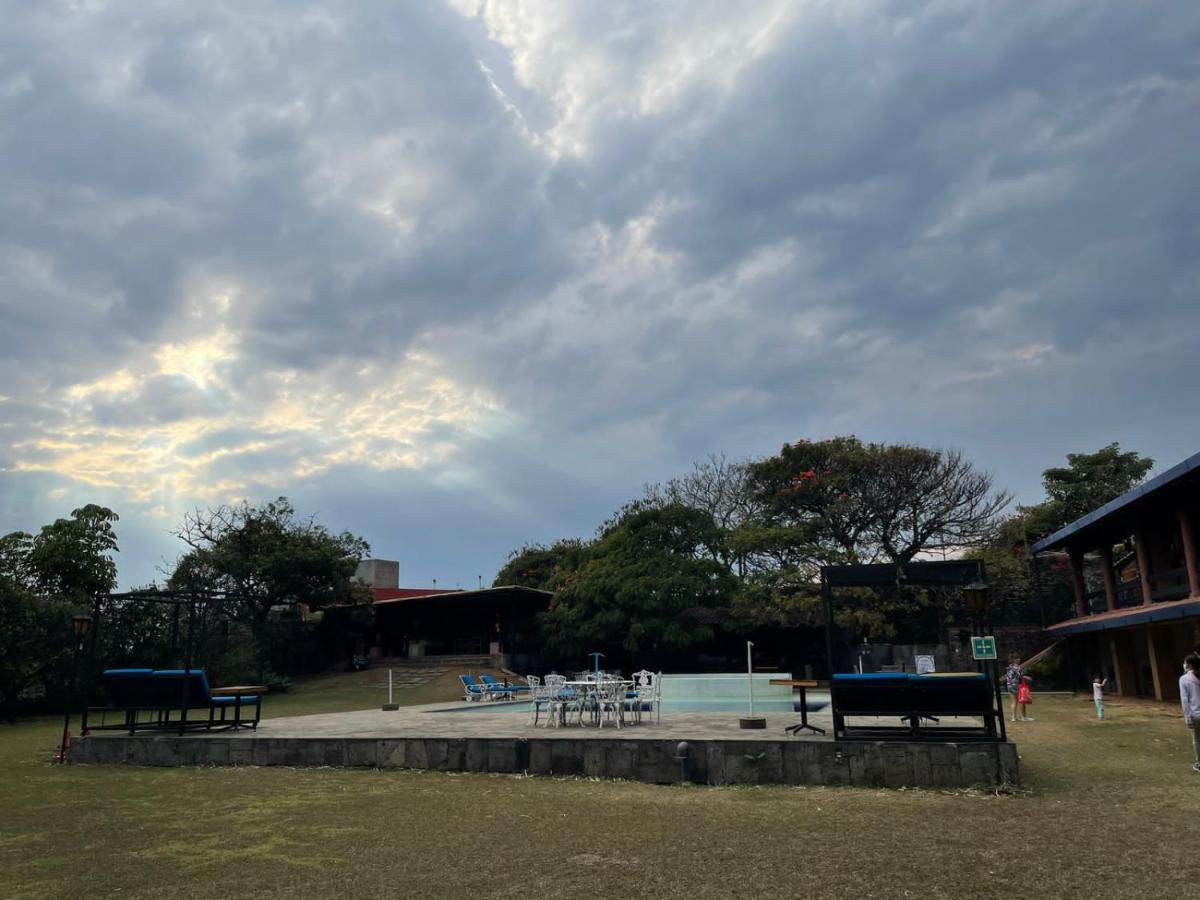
1012	680
1099	683
1189	698
1024	698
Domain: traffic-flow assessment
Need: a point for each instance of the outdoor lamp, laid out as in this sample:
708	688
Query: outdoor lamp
82	625
977	595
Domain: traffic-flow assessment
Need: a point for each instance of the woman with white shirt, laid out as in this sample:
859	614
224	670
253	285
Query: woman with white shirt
1189	697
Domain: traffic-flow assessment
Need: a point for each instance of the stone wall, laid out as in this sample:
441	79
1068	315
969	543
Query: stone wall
860	763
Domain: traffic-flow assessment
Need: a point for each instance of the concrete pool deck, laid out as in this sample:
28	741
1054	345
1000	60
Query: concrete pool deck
453	737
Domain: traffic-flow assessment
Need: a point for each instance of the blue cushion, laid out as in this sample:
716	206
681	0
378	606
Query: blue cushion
167	685
875	677
964	678
232	701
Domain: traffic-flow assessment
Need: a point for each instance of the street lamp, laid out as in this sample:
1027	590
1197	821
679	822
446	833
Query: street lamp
80	626
977	597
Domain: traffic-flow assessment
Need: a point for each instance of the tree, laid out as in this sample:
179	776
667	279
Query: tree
70	558
44	579
1085	483
841	501
271	559
642	584
35	641
540	566
715	486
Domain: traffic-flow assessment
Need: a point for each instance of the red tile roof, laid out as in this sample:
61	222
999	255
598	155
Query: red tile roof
382	594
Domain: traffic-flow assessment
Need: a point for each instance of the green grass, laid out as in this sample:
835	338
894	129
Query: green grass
1107	810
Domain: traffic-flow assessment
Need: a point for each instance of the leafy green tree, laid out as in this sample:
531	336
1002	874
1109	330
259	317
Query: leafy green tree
70	558
842	501
1085	483
718	487
541	566
35	641
273	560
44	579
641	585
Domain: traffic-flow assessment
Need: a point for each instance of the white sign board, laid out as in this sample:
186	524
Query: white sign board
924	665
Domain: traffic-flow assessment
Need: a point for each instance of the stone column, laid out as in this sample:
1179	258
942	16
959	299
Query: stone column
1143	561
1189	551
1110	577
1077	583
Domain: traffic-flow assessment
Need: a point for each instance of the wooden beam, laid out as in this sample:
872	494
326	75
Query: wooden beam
1188	537
1077	584
1143	561
1110	577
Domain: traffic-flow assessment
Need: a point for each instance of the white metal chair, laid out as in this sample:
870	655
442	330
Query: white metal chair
557	700
538	695
648	687
610	701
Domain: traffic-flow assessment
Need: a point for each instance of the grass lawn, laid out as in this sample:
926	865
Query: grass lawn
1107	810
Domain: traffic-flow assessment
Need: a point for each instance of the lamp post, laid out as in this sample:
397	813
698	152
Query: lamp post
80	626
976	594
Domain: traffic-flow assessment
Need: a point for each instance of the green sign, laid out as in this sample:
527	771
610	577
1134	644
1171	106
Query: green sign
983	647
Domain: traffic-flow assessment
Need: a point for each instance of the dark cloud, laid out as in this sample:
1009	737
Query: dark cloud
463	276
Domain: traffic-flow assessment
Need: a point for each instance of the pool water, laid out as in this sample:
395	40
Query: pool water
706	693
730	693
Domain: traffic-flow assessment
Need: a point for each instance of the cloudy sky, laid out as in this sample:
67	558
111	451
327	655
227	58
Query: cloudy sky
462	275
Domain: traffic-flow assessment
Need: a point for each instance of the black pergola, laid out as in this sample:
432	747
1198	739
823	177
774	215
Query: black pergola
968	575
187	599
965	574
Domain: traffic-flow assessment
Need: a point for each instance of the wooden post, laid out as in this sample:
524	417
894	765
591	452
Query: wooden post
1154	663
1143	561
1110	577
1189	551
1077	583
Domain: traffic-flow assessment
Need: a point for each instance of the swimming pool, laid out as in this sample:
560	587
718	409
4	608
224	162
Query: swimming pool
702	693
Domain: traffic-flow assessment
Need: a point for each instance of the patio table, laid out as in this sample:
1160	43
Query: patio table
800	685
238	691
625	683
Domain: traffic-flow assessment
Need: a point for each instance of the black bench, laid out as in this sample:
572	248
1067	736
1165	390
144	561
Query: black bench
914	700
147	699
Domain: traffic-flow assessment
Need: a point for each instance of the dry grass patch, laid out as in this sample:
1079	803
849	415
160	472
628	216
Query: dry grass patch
1105	812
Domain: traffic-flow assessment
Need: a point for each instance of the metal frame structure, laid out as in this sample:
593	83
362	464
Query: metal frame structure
178	598
950	573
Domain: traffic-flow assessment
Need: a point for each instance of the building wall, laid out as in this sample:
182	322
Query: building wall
1139	661
379	573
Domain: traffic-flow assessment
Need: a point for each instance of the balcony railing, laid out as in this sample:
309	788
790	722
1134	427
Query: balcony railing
1129	593
1170	584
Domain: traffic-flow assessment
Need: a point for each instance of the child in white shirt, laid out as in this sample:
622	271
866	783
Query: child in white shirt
1099	683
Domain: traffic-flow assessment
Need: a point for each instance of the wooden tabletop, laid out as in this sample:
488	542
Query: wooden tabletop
239	689
947	674
793	682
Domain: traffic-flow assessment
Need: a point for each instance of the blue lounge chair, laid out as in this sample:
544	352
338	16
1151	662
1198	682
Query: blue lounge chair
158	693
510	689
914	699
475	690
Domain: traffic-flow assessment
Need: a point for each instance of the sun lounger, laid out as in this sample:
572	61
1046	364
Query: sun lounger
172	699
477	690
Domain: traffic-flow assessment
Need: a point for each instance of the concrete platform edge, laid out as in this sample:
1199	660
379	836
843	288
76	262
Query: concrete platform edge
892	764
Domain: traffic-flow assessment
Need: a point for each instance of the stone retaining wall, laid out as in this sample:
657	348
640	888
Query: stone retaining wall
862	763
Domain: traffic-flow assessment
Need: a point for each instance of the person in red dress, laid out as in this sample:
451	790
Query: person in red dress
1024	698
